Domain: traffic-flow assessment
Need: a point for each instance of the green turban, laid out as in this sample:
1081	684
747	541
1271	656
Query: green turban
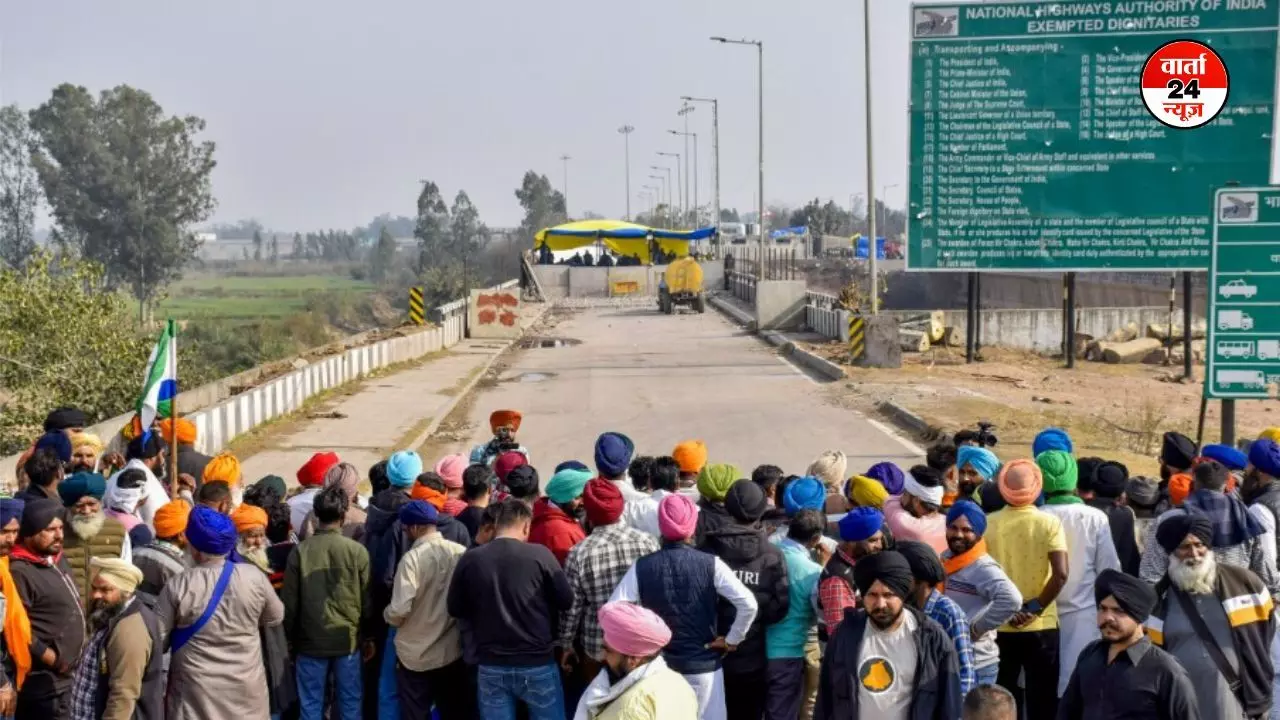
567	485
1060	475
715	480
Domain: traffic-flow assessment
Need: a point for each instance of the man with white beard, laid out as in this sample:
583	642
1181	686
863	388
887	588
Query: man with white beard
1216	620
89	532
251	529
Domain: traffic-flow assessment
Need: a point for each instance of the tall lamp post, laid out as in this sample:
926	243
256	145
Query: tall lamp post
668	185
715	149
684	113
663	188
884	210
760	124
679	186
626	131
694	135
565	159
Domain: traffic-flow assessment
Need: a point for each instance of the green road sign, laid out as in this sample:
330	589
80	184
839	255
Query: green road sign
1031	148
1244	294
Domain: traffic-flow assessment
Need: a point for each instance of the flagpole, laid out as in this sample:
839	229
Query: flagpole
173	420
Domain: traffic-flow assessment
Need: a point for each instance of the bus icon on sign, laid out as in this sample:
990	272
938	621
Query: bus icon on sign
1238	207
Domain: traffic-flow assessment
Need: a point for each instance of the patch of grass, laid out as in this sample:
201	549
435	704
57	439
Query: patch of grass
262	285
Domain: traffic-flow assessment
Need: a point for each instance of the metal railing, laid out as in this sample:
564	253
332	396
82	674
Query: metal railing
768	263
743	286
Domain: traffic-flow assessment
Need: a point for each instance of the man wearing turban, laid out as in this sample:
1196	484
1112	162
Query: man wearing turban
743	546
1031	546
1155	685
684	586
1232	603
1090	550
978	584
251	535
1260	488
86	452
928	574
90	533
1108	479
146	454
635	681
916	513
714	481
44	587
832	469
190	461
166	555
865	492
127	680
594	568
975	465
899	664
346	476
691	456
555	517
311	477
504	424
217	674
861	535
614	453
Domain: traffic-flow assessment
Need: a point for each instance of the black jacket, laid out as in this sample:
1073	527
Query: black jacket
192	462
1123	536
936	695
711	516
386	542
53	606
761	567
512	594
453	530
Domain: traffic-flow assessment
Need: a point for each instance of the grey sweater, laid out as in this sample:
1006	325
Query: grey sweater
989	598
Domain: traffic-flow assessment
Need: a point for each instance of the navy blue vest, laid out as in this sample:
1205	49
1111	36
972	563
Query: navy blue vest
678	583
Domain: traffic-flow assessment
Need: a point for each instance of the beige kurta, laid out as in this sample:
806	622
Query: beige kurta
219	673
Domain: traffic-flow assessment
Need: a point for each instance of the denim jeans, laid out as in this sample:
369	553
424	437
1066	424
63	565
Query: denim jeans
986	675
312	673
499	688
388	695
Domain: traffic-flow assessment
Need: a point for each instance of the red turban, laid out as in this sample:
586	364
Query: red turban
507	462
505	418
603	502
312	474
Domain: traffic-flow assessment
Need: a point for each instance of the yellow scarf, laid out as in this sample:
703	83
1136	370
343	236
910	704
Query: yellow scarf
17	626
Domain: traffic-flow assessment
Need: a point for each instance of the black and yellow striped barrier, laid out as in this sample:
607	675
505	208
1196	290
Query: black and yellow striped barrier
415	306
857	338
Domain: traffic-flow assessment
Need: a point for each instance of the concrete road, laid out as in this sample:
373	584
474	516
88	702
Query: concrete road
663	379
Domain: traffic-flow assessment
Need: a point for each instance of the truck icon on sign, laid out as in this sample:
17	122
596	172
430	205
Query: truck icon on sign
1238	288
1269	349
1234	320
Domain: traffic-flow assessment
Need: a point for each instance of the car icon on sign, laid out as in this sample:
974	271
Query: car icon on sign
1238	288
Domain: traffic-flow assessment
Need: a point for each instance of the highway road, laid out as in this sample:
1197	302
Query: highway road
663	379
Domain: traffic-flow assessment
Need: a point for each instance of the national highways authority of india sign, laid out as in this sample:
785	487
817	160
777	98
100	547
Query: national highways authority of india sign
1032	147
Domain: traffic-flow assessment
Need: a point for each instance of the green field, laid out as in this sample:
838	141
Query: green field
249	297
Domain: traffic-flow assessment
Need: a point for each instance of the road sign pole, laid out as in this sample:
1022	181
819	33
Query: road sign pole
977	315
971	318
1071	320
1187	301
1229	422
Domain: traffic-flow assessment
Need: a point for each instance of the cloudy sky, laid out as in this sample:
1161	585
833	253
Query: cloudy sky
327	113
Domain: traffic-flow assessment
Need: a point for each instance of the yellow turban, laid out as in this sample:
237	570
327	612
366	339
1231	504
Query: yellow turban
186	431
121	574
171	519
248	516
223	468
865	492
84	439
691	456
1271	433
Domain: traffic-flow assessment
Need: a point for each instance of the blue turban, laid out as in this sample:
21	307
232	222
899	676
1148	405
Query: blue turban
418	512
1264	454
1052	438
10	509
57	443
860	523
969	510
889	475
613	454
403	468
210	532
82	485
571	465
982	460
806	493
1230	457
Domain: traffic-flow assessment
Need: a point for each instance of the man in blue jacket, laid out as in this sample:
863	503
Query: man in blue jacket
887	660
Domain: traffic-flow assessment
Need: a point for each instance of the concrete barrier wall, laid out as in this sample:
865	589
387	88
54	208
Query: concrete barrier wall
218	423
561	281
823	320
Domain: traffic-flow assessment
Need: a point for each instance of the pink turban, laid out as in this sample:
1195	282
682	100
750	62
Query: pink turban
677	517
632	630
450	469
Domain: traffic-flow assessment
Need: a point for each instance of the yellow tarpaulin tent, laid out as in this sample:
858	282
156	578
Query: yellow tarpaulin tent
583	233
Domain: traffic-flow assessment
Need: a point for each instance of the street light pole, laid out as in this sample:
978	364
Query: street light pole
884	193
680	188
684	113
715	149
626	131
760	124
565	159
687	135
664	186
872	249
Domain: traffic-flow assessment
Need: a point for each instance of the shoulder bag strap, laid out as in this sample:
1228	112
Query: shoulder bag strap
182	635
1215	651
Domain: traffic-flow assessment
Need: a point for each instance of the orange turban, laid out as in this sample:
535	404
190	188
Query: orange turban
1179	488
505	418
248	516
171	519
186	431
691	456
224	468
435	497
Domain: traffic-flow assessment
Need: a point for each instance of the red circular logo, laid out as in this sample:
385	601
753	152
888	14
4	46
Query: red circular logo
1184	84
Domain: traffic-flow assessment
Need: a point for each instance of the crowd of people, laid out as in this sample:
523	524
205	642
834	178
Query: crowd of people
637	587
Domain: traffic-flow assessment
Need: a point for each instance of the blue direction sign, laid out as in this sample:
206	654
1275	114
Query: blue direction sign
1244	294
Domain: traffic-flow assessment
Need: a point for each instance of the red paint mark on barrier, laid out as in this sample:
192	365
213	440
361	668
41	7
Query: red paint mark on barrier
487	316
508	318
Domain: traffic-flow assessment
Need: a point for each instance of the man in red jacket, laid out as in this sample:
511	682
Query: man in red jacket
555	517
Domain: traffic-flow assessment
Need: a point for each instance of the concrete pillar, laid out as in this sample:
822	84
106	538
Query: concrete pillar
780	304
